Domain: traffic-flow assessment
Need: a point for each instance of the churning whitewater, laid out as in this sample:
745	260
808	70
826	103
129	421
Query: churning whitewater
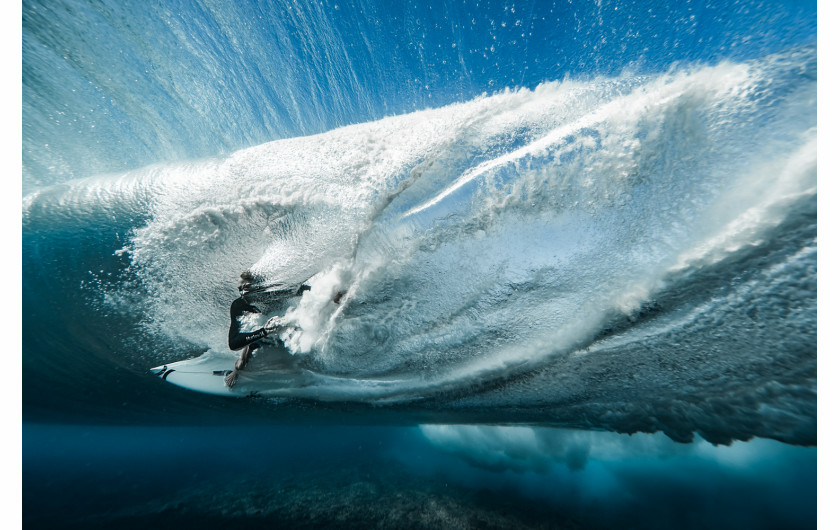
630	253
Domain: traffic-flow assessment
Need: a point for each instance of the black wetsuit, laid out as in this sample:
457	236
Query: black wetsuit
237	339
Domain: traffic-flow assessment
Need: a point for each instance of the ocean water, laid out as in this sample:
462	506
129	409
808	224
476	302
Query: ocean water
577	241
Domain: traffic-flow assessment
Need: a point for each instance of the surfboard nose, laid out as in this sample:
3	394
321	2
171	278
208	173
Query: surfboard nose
161	371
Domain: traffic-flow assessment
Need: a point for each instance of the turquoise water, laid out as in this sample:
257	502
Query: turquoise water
557	223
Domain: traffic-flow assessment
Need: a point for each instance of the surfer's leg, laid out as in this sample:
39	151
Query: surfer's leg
244	357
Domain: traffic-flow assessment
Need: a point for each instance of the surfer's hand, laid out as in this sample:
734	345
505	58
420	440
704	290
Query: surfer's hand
273	325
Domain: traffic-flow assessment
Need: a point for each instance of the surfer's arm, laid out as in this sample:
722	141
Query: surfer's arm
240	340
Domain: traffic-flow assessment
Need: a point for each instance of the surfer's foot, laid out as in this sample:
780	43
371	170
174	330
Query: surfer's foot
230	379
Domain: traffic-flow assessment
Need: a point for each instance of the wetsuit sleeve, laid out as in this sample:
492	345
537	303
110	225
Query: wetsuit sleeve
236	338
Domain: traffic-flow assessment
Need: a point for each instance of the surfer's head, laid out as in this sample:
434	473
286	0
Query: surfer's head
246	281
255	288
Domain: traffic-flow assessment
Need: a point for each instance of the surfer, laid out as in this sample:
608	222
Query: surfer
249	303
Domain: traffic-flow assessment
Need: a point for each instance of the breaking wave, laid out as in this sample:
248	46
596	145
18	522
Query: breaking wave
628	253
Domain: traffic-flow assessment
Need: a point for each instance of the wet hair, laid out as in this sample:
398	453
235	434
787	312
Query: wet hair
246	279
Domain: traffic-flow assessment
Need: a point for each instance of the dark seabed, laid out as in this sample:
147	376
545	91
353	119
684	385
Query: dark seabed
576	241
386	477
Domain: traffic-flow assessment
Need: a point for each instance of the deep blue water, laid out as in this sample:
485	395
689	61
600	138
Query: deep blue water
557	223
339	476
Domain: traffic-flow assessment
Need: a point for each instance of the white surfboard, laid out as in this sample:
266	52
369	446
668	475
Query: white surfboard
272	372
269	369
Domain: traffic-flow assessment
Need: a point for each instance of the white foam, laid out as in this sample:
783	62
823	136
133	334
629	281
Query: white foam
476	240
